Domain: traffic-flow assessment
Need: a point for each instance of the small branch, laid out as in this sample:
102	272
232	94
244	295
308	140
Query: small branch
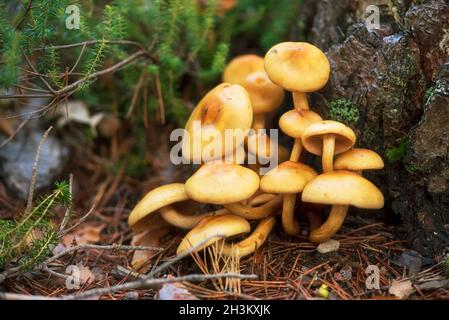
21	125
92	42
25	14
100	247
34	172
81	220
138	284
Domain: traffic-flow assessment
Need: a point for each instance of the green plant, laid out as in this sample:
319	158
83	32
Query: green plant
430	92
398	152
186	40
30	239
343	110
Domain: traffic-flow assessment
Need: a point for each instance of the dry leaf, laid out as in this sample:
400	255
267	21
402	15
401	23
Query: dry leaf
85	275
401	289
87	233
6	127
151	237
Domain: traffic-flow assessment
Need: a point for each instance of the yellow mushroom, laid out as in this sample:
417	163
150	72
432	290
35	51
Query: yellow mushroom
298	67
251	243
156	199
218	182
328	138
213	229
340	189
358	160
288	179
227	106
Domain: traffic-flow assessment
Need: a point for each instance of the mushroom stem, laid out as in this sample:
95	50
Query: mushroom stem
331	226
183	221
300	101
255	213
291	226
296	151
260	199
253	242
328	153
258	121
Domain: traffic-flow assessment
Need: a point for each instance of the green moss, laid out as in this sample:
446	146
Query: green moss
398	152
430	92
343	110
413	168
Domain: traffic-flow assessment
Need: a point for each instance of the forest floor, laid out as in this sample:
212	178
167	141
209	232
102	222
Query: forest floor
286	267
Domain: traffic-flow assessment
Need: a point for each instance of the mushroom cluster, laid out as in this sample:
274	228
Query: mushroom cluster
252	87
303	68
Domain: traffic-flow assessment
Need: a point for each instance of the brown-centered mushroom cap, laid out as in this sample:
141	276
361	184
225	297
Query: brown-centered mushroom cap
288	177
156	199
213	228
297	66
343	188
240	67
312	137
294	123
226	106
221	183
358	159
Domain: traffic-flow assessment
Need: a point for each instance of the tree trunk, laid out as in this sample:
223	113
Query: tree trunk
397	77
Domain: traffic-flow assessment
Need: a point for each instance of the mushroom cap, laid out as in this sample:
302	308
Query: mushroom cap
265	96
312	138
156	199
240	67
297	66
213	227
358	159
293	123
261	145
343	188
226	106
218	182
248	71
288	177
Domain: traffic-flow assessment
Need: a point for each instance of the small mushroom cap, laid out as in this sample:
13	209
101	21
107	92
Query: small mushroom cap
297	66
226	106
312	138
248	71
156	199
288	177
218	182
293	123
240	67
265	96
358	159
214	228
343	188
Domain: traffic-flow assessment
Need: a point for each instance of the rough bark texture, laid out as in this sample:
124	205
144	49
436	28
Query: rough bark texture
397	77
